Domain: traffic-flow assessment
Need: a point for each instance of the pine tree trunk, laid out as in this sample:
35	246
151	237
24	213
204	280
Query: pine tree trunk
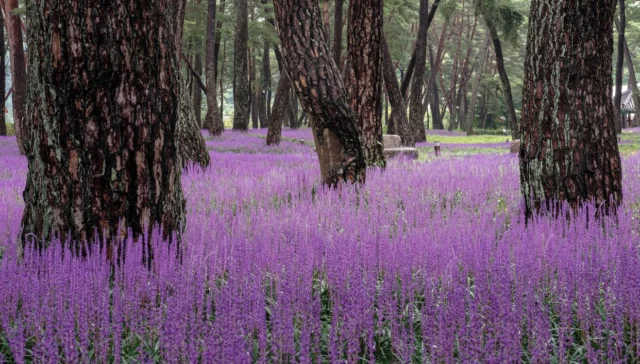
192	147
105	149
398	107
512	119
416	107
18	76
265	85
3	123
337	32
316	79
617	101
197	92
364	46
569	150
241	84
279	112
213	120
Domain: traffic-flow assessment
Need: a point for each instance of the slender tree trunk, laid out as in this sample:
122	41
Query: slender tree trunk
398	107
18	76
504	78
3	124
265	85
321	90
337	32
274	135
471	113
416	113
241	83
213	120
104	154
617	101
364	46
197	92
255	108
569	150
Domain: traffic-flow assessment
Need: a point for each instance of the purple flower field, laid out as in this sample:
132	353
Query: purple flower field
428	262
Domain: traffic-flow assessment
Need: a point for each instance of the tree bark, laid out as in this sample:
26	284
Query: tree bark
337	32
104	154
416	113
634	83
197	93
512	119
3	123
569	150
617	101
18	76
265	85
241	84
317	81
213	120
398	107
279	112
364	46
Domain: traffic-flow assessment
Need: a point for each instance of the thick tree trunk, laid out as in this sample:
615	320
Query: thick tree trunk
337	32
416	107
213	120
398	107
279	112
3	123
617	101
471	113
18	63
364	45
569	150
512	119
241	84
104	154
317	81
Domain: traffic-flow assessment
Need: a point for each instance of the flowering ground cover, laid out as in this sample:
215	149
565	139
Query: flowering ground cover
428	262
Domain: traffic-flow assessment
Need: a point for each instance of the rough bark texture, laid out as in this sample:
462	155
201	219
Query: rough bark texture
192	147
416	108
213	120
320	89
512	119
3	123
279	112
103	107
398	107
364	45
18	63
337	32
569	150
241	84
617	101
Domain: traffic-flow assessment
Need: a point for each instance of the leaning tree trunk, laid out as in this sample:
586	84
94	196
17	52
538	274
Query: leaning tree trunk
398	107
364	47
241	84
104	154
279	112
471	113
569	150
213	120
18	76
617	101
192	147
504	78
635	92
3	124
416	108
320	89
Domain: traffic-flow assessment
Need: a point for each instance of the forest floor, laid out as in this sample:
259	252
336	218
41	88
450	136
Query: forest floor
429	261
